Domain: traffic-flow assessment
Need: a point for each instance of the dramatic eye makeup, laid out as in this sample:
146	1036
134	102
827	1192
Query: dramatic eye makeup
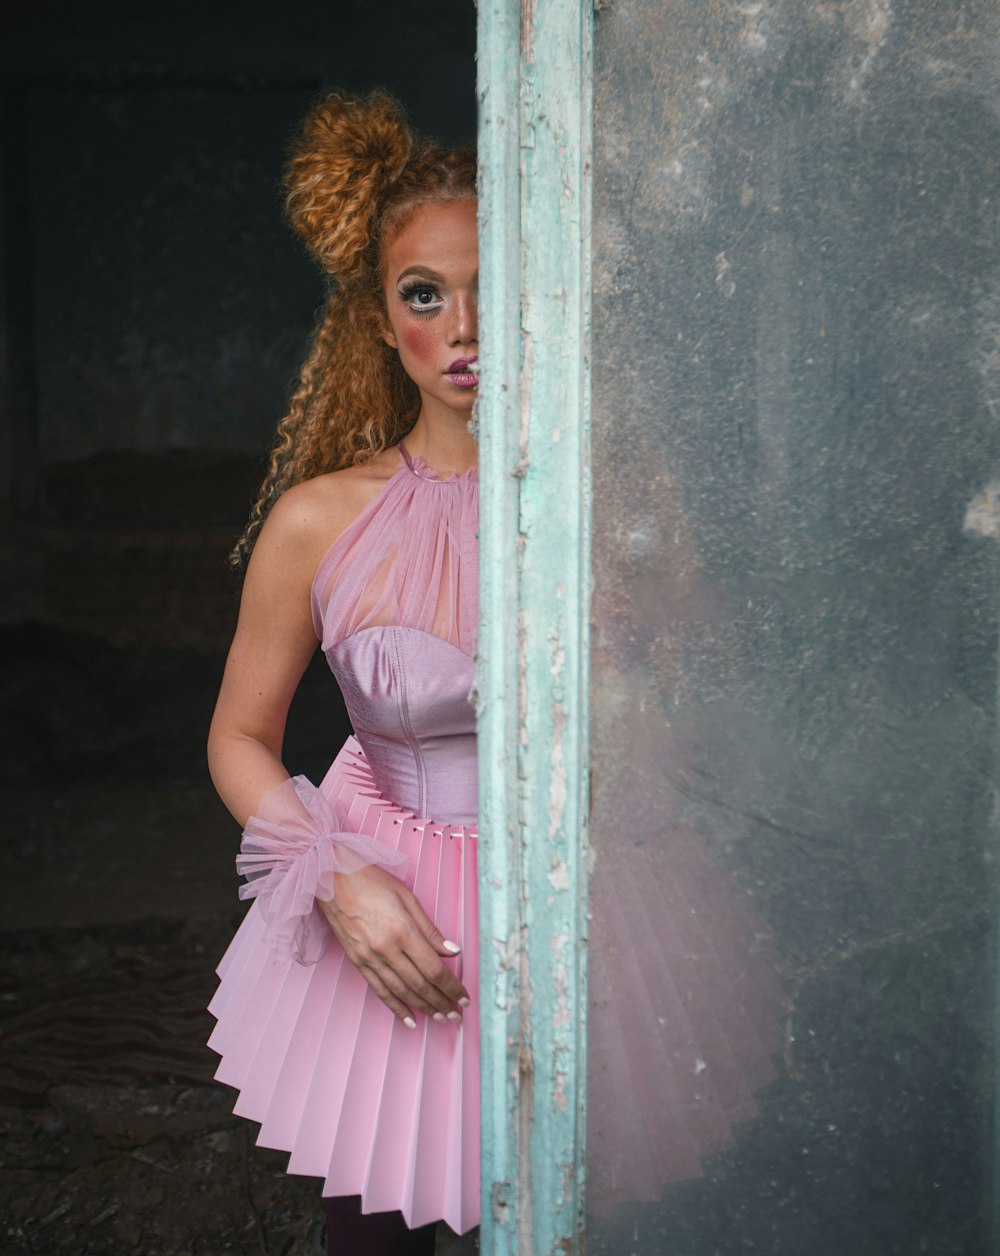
421	296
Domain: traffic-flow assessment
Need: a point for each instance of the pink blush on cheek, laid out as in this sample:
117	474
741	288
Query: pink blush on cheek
420	343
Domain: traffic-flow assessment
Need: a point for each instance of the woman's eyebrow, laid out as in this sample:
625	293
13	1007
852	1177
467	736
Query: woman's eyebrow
424	271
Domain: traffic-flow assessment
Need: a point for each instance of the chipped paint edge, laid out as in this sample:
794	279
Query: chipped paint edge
532	669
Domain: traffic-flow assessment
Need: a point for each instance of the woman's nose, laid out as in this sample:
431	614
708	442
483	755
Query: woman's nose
465	328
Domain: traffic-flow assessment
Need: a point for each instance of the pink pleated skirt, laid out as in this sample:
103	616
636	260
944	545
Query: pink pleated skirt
332	1077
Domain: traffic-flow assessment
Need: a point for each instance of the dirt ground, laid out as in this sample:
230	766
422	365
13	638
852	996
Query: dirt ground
115	1138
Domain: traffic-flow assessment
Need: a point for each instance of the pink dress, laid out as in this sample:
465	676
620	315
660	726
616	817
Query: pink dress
371	1107
685	1011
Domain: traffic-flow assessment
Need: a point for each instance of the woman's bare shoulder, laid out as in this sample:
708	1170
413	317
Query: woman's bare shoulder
312	514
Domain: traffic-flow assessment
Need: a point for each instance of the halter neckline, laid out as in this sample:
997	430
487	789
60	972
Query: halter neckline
415	462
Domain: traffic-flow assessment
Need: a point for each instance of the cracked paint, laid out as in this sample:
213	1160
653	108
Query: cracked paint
559	875
529	1147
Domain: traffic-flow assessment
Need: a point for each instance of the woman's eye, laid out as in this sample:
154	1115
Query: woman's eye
421	298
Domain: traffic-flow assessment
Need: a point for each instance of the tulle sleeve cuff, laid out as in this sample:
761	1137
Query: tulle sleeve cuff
289	854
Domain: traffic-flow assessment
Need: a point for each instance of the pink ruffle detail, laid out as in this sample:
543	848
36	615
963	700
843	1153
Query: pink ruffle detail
289	854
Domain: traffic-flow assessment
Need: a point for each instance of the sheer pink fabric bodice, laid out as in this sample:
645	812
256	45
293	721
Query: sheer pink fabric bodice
394	603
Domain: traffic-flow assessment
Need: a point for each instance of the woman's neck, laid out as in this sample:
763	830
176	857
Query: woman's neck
444	445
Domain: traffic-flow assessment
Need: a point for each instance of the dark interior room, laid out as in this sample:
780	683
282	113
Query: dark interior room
155	308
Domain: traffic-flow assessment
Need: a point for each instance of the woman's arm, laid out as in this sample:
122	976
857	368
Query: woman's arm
272	646
381	925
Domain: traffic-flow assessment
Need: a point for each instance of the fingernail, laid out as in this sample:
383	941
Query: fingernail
455	1017
440	1017
409	1022
463	1002
450	946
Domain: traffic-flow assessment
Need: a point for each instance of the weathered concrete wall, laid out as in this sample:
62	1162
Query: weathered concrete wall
797	382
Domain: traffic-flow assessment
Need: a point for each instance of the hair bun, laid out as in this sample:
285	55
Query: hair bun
349	152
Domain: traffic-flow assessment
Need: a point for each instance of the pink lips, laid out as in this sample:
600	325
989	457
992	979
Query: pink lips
460	374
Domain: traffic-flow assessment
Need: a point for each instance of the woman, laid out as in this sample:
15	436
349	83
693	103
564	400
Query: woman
346	1010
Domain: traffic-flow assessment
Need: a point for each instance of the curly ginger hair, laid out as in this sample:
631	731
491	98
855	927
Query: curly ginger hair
357	173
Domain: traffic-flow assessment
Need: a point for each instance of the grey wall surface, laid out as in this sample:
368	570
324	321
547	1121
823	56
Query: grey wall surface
797	478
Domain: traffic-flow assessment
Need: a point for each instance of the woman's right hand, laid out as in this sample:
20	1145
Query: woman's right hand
395	945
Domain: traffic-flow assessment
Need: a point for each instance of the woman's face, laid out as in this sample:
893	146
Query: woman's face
432	304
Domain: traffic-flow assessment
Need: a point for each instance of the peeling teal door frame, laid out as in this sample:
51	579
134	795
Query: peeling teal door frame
532	674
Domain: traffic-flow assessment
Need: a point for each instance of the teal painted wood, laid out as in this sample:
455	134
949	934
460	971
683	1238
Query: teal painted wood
497	686
532	675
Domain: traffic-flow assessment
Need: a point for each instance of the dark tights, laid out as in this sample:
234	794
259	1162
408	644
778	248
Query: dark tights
349	1232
